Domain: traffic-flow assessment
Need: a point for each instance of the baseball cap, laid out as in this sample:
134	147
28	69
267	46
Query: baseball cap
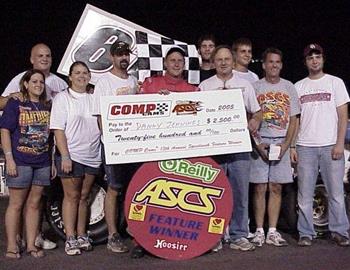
175	49
119	47
312	47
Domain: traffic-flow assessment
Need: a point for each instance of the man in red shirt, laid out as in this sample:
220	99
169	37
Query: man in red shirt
173	80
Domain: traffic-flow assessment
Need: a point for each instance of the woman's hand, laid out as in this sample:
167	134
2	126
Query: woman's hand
11	167
66	165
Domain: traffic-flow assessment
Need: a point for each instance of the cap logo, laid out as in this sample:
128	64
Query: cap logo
312	46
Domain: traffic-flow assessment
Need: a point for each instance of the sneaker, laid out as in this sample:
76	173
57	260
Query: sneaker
275	238
218	247
251	235
242	244
71	246
84	242
304	241
116	244
137	252
258	239
340	240
44	243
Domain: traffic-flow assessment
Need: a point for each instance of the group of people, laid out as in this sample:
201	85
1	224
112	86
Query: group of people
306	122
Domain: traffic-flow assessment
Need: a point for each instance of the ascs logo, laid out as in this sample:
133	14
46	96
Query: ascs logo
135	110
94	50
187	107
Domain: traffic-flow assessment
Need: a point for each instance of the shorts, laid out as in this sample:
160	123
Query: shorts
28	176
274	171
78	170
119	175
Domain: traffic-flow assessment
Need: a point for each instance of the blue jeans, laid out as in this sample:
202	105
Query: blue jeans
237	167
310	161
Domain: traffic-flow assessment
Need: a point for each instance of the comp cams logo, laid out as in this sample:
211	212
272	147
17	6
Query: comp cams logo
94	50
139	110
187	107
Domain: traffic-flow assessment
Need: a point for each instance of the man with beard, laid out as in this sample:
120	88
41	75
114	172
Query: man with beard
114	83
41	59
206	46
236	165
242	52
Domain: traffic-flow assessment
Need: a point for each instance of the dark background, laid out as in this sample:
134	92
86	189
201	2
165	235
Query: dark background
288	25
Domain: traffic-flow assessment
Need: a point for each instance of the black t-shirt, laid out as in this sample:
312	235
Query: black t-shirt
206	74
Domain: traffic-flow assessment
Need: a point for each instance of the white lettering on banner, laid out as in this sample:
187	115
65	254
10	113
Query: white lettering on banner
163	244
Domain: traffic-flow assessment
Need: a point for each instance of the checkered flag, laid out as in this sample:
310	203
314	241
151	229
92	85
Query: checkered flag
151	50
162	107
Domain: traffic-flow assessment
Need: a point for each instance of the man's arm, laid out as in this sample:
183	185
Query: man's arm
338	149
4	100
254	122
289	136
293	152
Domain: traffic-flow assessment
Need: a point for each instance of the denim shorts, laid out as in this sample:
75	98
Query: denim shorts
274	171
78	169
119	175
28	176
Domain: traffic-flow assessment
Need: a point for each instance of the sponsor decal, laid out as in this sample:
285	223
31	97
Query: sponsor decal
137	212
187	107
216	225
138	110
178	209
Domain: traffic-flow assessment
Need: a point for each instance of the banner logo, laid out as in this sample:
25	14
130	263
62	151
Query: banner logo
187	197
204	172
187	107
137	110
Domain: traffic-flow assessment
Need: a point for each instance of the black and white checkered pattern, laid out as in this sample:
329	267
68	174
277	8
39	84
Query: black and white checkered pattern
151	50
162	107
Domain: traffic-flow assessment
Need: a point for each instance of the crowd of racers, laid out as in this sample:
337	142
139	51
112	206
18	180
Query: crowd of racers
305	122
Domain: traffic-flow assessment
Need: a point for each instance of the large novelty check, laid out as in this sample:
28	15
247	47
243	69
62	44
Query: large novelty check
150	127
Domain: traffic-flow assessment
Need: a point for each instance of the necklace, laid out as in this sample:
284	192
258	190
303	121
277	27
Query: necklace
36	107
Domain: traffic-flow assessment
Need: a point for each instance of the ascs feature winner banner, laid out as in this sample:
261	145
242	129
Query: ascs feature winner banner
178	209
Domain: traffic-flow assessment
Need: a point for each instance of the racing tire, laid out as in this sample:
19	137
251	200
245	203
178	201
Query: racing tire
320	209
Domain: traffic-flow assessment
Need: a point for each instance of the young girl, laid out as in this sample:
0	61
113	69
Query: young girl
25	141
78	161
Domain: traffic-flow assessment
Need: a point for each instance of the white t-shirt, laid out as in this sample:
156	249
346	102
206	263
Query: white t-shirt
249	76
71	112
250	101
319	100
53	83
111	85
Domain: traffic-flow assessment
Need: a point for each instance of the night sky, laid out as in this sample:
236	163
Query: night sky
287	25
